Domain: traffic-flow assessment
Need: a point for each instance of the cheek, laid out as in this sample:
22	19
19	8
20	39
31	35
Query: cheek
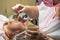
13	26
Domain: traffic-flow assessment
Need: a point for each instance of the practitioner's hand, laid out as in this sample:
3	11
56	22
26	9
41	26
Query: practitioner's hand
18	8
31	11
36	35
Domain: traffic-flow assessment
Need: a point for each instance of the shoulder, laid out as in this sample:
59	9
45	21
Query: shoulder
2	35
3	18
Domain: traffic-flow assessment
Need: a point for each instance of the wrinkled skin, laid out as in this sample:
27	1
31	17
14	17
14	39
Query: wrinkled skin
12	28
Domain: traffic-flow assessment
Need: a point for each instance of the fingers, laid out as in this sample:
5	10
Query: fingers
22	10
26	33
27	23
32	32
17	8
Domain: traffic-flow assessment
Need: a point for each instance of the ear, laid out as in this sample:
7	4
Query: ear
6	23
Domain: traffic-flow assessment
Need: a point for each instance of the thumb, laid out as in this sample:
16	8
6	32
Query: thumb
22	10
17	7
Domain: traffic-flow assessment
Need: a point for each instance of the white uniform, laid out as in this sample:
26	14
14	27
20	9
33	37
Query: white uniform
3	19
48	24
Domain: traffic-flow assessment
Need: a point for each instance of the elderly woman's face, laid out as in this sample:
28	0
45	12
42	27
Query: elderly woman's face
15	27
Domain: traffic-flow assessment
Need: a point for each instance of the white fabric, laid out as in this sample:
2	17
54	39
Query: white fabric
46	22
3	19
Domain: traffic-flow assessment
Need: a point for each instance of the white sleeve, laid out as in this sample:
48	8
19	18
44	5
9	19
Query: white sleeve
3	19
55	34
52	29
44	12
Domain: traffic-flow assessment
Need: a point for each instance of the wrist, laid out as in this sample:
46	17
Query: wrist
32	11
42	36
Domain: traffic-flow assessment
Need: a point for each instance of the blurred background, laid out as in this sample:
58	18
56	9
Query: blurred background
6	5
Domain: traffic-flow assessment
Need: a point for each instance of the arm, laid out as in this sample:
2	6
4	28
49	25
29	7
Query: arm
31	11
57	11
